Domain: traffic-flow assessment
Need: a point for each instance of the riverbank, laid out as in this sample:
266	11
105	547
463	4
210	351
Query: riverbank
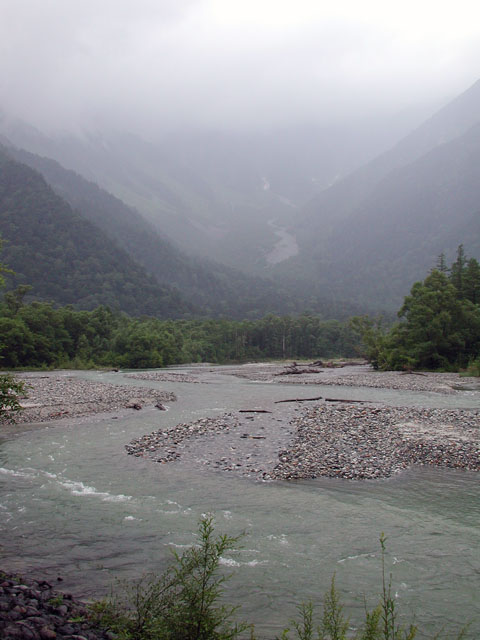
74	505
332	438
34	610
58	394
356	376
282	441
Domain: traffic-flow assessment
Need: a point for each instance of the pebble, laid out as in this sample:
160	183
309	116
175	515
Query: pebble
168	443
376	442
58	395
362	376
335	440
161	376
33	610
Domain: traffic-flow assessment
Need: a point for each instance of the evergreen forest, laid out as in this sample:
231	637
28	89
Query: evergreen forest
439	326
39	335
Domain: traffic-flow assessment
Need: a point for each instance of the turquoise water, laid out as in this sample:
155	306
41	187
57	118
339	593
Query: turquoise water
73	504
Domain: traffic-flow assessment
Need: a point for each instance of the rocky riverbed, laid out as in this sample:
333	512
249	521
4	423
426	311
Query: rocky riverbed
163	376
357	376
33	610
341	440
56	395
368	442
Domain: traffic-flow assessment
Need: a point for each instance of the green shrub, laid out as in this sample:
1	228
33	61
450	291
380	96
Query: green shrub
184	603
473	368
10	391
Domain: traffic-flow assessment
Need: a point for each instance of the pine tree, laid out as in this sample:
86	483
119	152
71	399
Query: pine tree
471	281
457	271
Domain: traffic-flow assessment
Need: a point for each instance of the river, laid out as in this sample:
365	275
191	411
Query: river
73	504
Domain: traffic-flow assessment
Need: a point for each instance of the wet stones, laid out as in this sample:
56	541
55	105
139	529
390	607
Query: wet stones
167	446
163	376
360	376
376	442
58	396
339	440
33	610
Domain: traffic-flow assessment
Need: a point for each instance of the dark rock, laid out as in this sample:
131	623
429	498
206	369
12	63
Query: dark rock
133	405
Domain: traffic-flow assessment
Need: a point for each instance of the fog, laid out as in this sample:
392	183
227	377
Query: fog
154	65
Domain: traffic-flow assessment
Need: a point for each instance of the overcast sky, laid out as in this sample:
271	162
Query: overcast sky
230	63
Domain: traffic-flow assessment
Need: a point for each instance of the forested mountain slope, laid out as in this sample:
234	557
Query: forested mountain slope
215	193
341	200
213	288
65	257
383	227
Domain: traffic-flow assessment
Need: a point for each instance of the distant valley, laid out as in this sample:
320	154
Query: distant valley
247	225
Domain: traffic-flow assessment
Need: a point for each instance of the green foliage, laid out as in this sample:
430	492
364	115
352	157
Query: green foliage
186	603
441	323
39	335
183	603
391	630
82	246
66	257
10	392
473	368
371	337
380	623
57	601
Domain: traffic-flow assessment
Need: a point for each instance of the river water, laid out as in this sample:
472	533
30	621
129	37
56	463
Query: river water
73	504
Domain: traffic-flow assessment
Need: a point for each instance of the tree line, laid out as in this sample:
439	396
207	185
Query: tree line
440	323
39	335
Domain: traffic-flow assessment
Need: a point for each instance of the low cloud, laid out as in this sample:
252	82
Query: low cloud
154	65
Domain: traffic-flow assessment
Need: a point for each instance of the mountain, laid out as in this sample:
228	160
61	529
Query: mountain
375	232
240	199
213	289
340	201
225	196
66	258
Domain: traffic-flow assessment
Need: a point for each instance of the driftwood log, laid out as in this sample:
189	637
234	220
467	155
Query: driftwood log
343	400
294	371
299	400
253	411
412	373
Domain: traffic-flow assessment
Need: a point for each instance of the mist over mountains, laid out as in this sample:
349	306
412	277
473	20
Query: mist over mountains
313	218
214	193
383	226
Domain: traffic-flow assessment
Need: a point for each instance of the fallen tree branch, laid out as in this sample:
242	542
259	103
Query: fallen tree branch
247	435
299	400
253	411
296	372
412	373
343	400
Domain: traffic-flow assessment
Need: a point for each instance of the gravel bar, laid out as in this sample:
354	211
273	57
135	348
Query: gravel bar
58	395
376	442
162	376
360	376
335	440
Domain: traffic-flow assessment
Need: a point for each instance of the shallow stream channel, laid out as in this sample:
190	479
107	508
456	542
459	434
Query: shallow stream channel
73	504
